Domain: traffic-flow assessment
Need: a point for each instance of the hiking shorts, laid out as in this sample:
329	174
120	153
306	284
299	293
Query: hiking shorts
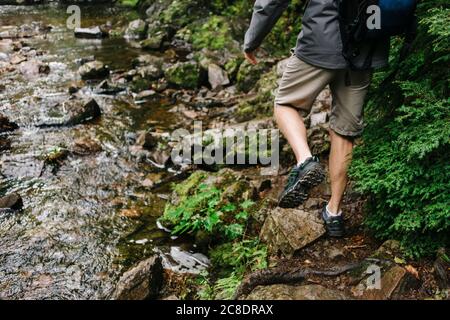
301	84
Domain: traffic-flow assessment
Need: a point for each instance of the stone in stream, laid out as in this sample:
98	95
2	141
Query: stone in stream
89	33
147	140
291	292
137	29
217	77
289	230
94	70
11	201
71	112
86	146
184	74
154	42
33	68
6	125
140	282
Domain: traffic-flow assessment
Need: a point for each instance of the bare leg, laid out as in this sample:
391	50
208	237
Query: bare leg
340	157
291	125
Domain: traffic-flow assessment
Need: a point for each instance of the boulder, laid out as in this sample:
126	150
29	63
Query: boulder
217	77
71	112
289	292
289	230
33	68
94	70
11	201
154	42
184	74
140	282
90	33
137	29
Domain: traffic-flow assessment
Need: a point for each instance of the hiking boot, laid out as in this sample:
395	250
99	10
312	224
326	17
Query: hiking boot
301	179
333	224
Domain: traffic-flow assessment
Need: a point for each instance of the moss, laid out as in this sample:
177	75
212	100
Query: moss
261	105
184	74
214	34
248	75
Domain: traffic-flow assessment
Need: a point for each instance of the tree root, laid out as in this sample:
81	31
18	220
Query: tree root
279	275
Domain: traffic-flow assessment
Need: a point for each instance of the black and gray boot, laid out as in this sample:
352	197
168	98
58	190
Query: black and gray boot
301	180
333	224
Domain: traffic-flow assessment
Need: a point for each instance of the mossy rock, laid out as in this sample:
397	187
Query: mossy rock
184	74
261	105
248	75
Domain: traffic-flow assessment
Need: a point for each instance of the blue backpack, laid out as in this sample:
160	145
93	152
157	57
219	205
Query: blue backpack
362	21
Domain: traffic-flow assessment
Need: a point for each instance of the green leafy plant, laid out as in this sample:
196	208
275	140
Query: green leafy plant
402	164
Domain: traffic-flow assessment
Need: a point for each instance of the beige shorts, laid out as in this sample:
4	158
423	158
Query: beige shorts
301	84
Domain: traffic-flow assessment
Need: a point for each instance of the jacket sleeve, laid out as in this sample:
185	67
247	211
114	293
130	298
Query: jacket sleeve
265	14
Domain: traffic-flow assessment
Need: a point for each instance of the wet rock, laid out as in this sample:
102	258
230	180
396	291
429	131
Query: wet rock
6	125
184	74
150	72
11	201
141	282
155	42
148	59
289	230
33	68
147	140
71	112
93	70
85	146
217	77
136	29
289	292
90	33
146	94
55	155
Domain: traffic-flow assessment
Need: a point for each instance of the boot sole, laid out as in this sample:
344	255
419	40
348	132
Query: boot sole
300	191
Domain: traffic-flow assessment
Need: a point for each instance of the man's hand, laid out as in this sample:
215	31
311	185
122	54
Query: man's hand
250	56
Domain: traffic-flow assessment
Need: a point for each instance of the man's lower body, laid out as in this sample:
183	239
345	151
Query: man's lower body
299	87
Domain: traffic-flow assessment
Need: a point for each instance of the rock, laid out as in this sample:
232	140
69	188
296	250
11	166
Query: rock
94	70
146	94
147	140
71	112
6	125
32	68
90	33
151	72
289	292
248	75
141	282
289	230
394	282
86	146
318	118
11	201
440	268
388	250
137	29
184	74
148	59
217	77
153	43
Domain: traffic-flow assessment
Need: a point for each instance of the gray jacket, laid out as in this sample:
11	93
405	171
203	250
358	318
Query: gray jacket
319	42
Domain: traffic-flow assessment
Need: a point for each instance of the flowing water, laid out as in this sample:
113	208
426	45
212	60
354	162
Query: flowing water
72	241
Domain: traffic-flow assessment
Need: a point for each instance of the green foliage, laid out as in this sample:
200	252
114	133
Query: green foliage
231	261
403	162
214	34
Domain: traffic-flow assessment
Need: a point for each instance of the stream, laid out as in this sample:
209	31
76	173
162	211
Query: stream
72	240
